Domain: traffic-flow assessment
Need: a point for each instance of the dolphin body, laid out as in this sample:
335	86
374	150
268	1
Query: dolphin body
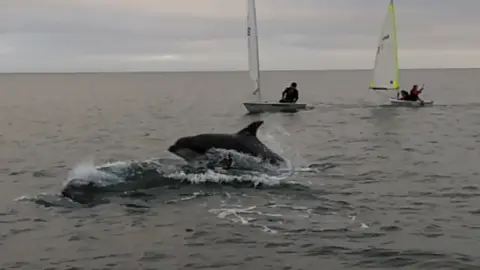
244	141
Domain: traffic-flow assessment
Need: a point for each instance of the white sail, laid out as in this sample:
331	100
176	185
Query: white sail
252	35
385	72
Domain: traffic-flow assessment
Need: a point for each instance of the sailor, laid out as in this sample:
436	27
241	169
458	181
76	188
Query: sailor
404	95
290	94
414	93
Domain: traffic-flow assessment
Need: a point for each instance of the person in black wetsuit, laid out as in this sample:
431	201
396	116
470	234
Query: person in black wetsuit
290	94
403	95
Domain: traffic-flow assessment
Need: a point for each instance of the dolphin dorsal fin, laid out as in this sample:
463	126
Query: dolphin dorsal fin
250	130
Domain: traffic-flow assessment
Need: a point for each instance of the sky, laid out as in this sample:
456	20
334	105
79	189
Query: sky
185	35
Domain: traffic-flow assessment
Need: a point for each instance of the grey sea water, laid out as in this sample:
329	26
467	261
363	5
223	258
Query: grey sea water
372	187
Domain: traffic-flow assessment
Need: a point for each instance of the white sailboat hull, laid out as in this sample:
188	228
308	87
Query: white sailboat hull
272	107
408	103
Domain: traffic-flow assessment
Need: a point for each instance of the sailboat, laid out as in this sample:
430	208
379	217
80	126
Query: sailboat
385	71
261	106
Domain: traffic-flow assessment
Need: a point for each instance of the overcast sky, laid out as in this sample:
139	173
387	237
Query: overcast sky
128	35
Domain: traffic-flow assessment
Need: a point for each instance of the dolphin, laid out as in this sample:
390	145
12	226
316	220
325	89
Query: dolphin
244	141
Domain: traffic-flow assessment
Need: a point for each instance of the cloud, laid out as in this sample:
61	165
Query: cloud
116	35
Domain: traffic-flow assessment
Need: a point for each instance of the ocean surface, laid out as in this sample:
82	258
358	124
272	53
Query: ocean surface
368	186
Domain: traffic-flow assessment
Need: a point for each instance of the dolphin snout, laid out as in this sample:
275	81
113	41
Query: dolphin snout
172	148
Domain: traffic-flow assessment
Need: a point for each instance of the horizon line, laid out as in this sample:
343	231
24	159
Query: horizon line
213	70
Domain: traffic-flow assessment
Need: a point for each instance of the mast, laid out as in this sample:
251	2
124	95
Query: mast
397	75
